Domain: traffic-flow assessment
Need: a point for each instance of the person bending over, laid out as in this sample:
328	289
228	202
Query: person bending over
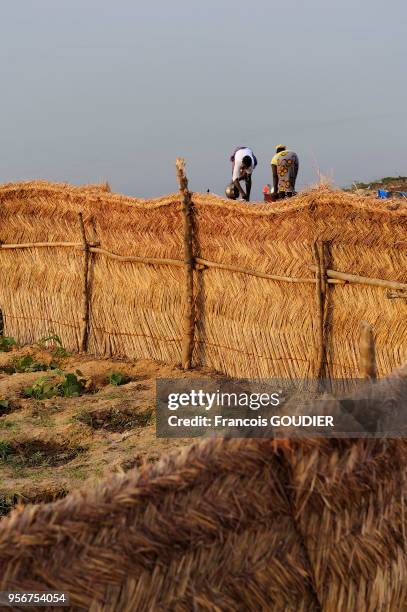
244	162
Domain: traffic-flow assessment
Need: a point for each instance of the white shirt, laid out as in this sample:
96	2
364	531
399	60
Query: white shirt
237	167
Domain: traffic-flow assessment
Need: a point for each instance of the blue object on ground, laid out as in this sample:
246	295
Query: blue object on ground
383	194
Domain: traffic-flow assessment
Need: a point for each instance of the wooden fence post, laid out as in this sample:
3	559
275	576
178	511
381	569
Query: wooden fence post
318	249
368	367
85	288
189	317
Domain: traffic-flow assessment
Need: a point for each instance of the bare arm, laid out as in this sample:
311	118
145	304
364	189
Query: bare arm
275	178
248	187
236	178
237	184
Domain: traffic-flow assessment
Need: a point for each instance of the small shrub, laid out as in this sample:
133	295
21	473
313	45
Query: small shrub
69	385
116	378
6	342
27	364
5	450
42	388
58	350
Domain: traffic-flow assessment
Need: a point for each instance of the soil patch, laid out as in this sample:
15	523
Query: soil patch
117	418
42	442
33	453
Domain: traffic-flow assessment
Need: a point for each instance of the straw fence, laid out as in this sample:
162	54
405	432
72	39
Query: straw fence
300	526
250	290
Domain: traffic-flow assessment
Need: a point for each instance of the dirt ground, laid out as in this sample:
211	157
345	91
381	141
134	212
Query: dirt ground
49	447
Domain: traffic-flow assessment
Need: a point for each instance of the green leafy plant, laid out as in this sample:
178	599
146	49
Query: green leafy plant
71	385
68	385
42	388
116	378
26	363
6	343
58	350
5	450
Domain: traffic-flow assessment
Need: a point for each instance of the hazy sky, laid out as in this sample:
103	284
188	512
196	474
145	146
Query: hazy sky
97	89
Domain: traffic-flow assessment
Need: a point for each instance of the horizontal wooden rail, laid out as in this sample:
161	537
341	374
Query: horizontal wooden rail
199	263
134	258
334	277
363	280
31	245
220	266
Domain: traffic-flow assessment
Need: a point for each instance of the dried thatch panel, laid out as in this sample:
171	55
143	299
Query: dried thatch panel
182	532
137	320
352	520
40	294
126	298
228	525
271	326
246	325
348	306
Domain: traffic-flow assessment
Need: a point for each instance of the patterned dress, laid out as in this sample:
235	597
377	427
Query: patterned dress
287	169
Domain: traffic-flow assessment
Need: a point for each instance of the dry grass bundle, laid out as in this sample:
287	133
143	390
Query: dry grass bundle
242	525
104	187
245	325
